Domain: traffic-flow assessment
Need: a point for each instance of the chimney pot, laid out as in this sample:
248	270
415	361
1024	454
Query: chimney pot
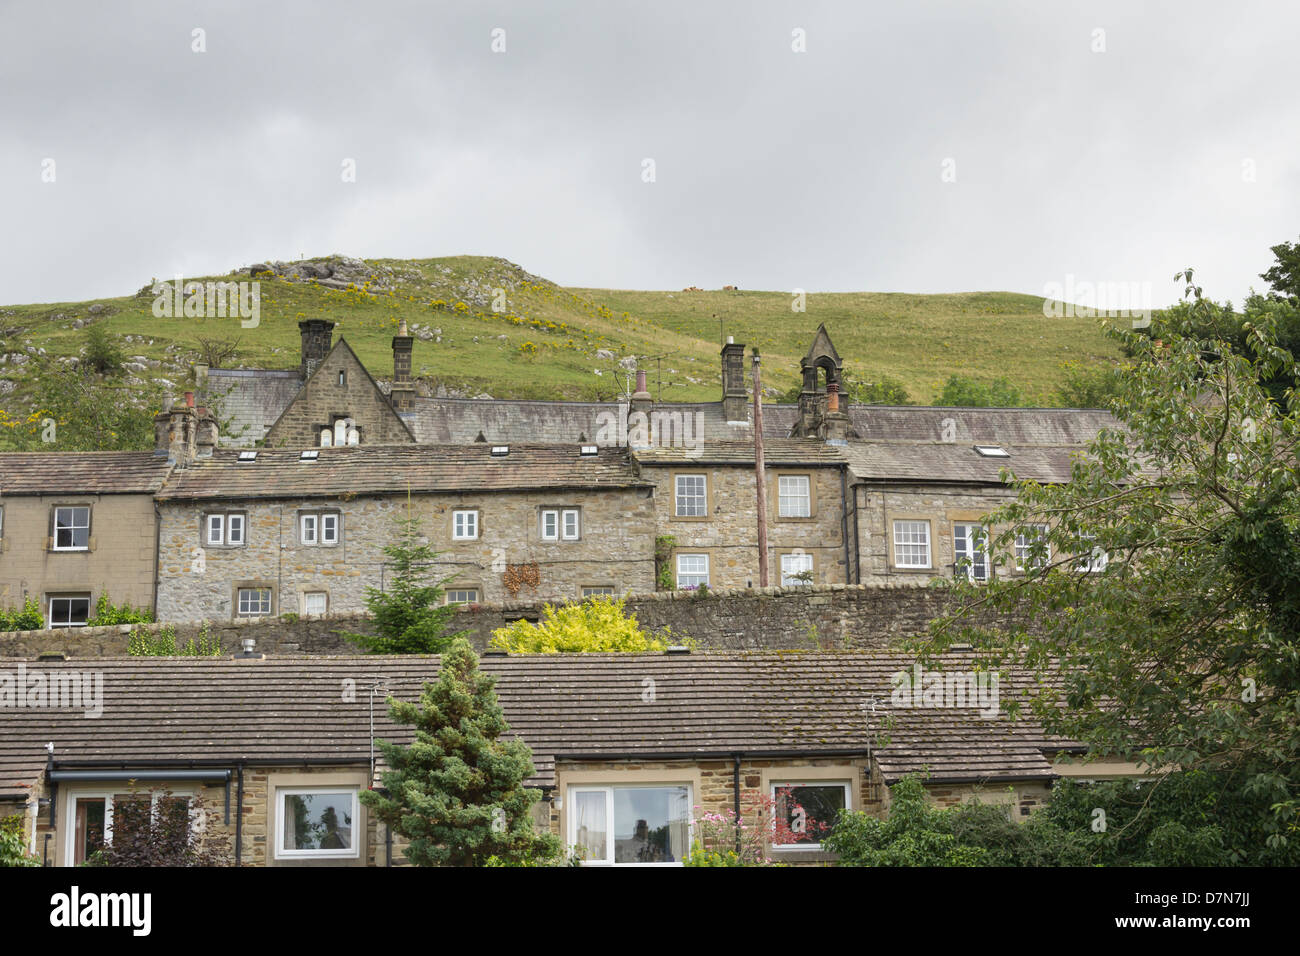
189	399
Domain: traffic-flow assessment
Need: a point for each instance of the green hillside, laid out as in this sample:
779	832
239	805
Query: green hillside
545	343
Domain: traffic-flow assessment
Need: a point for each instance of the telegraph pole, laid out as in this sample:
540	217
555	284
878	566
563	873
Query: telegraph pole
760	483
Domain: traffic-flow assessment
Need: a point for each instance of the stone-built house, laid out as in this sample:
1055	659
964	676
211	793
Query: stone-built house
624	747
75	526
923	478
331	399
705	504
247	534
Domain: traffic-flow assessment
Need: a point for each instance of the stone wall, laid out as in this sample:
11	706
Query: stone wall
195	581
323	397
835	616
728	533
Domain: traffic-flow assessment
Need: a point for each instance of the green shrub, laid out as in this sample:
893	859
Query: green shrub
13	845
106	614
102	352
162	643
26	618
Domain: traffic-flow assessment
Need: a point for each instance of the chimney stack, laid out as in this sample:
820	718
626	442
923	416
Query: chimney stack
317	339
184	433
403	392
734	399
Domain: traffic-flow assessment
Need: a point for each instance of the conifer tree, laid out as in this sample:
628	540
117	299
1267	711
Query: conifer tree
408	613
457	793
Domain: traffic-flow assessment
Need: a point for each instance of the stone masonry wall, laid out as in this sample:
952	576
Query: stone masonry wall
728	534
196	582
837	616
323	398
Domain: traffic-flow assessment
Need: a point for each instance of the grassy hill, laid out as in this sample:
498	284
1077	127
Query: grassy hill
545	343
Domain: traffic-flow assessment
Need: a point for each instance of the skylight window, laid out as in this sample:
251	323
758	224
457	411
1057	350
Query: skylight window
993	451
309	456
248	456
500	451
589	450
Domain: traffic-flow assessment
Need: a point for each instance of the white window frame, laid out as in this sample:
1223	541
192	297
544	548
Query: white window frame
565	515
783	496
776	785
74	528
323	611
597	590
447	596
702	496
550	528
67	596
973	547
694	574
70	814
464	520
610	828
358	832
328	519
270	601
921	524
1024	544
787	573
224	524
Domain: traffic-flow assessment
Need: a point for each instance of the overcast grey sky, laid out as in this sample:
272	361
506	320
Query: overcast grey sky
1177	145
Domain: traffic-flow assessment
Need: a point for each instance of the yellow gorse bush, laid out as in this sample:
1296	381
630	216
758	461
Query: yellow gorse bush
598	624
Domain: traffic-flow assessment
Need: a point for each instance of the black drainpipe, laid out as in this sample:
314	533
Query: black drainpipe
157	549
857	543
239	817
388	845
844	519
735	788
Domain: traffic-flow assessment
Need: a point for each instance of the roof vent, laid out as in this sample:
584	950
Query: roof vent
589	450
992	451
52	656
248	456
247	650
309	456
500	451
495	652
677	649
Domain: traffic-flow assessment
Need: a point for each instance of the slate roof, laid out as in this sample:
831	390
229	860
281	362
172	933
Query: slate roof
91	472
249	401
377	469
776	451
462	420
927	423
160	711
906	461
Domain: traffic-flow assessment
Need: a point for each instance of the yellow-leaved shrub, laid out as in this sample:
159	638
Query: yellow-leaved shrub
598	624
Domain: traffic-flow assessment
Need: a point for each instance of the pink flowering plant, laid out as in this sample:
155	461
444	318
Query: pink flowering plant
730	839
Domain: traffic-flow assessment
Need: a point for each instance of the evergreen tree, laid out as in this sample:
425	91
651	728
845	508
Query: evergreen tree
457	792
408	614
